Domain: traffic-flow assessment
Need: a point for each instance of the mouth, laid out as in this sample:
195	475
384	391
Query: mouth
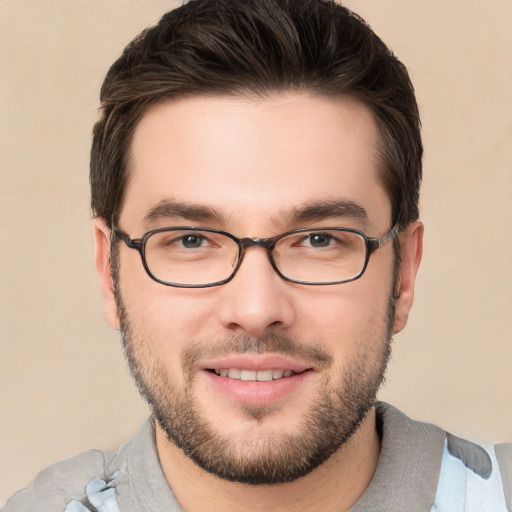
256	379
255	367
254	375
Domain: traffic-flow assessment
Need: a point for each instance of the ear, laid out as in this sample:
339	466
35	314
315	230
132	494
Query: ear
411	243
103	269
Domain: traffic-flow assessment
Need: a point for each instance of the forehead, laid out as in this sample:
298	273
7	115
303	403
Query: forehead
251	158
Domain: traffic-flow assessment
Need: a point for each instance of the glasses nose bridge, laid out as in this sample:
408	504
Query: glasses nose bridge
266	243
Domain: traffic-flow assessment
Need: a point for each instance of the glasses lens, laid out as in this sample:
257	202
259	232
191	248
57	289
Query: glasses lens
321	256
190	257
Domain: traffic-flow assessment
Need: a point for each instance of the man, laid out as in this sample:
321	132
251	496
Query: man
255	180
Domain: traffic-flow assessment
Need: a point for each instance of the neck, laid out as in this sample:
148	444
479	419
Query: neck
334	486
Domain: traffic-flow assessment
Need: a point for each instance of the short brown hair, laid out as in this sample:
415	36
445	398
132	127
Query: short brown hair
257	47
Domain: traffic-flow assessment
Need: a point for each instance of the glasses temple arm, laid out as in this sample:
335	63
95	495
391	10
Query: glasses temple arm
377	243
132	243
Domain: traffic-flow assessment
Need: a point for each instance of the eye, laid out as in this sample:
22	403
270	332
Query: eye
191	241
317	240
173	241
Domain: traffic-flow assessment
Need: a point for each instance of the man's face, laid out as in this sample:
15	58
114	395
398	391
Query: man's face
254	168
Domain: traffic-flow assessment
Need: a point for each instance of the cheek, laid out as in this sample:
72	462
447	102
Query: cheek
165	319
346	316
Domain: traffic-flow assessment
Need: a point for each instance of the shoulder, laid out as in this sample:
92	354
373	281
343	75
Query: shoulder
129	478
423	467
55	486
474	477
504	457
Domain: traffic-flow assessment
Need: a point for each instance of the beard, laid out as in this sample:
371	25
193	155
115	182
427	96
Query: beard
344	398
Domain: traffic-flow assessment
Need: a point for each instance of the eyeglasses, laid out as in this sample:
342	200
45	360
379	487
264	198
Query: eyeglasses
192	257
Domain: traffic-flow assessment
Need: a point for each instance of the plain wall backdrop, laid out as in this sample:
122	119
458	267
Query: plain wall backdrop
63	383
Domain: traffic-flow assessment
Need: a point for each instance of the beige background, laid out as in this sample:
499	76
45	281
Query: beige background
63	384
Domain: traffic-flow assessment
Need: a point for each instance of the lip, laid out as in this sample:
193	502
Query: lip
256	393
255	362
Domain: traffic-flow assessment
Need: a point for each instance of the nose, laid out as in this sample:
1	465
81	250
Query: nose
257	300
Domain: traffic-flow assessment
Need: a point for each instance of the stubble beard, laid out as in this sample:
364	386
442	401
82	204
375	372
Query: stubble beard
341	404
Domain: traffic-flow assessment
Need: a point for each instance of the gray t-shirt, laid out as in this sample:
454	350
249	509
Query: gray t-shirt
420	468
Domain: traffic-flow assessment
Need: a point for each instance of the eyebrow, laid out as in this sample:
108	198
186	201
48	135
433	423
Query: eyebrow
316	211
171	209
323	210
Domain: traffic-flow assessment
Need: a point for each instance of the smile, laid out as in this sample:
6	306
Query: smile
255	379
254	375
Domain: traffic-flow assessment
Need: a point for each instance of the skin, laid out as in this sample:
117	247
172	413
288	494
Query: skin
254	161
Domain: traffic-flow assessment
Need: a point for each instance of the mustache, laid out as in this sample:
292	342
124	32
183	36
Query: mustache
282	344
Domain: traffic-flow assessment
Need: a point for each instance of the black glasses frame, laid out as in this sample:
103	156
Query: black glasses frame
139	244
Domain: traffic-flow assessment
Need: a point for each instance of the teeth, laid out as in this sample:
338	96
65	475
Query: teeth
247	375
264	375
234	373
253	375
